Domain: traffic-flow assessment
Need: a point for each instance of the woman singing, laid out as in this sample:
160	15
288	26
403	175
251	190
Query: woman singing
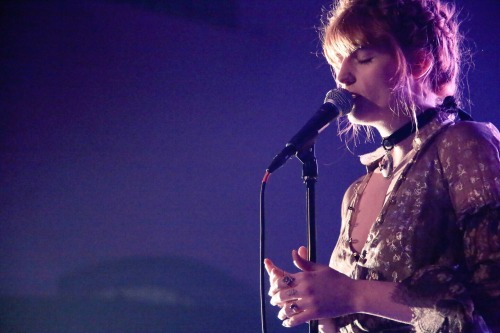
419	244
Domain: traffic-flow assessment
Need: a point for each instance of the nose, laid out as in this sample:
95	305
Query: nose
344	75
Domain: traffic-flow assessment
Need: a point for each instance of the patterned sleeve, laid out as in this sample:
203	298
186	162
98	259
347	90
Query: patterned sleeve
464	298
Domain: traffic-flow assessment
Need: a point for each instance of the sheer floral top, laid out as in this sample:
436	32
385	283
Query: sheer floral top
437	234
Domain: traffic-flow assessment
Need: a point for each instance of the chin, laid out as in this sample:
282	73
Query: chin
366	112
359	116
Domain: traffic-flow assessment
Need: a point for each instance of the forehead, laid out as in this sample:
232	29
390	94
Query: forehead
351	29
341	46
344	47
341	41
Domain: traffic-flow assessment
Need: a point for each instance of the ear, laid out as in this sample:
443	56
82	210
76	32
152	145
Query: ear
421	64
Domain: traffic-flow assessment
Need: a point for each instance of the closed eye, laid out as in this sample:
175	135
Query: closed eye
365	60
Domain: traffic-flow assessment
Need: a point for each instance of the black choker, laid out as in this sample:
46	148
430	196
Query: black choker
386	164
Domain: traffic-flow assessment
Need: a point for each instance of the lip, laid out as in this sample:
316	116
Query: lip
353	94
357	97
358	100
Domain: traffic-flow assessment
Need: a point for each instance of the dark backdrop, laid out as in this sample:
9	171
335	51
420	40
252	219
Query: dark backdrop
134	136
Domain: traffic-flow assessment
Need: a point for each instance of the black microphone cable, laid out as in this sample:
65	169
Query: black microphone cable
262	253
338	102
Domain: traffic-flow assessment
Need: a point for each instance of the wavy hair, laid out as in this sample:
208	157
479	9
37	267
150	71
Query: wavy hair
409	29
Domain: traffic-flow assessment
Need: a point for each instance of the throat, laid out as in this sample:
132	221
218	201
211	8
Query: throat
398	144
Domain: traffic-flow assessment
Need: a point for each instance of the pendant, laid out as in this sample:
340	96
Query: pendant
386	165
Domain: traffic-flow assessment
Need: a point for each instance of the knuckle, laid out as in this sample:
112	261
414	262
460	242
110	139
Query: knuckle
314	306
293	321
309	290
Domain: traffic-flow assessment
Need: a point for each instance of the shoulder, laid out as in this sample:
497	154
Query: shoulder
469	157
471	131
469	140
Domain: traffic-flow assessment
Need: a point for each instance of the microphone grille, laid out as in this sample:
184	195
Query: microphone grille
342	99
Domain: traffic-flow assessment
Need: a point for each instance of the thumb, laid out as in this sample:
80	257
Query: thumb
303	252
301	262
269	265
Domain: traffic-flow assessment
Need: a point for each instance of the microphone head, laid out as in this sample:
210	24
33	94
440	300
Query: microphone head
342	99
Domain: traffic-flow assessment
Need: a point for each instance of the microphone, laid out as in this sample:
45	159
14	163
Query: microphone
338	102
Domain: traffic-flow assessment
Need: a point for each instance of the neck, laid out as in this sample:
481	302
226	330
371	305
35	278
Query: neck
395	120
399	142
386	128
401	149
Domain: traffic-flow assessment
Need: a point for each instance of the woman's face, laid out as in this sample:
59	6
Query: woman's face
368	72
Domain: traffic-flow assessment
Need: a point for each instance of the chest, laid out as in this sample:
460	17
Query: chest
367	208
386	225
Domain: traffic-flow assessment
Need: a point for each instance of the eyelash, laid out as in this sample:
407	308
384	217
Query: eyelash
365	61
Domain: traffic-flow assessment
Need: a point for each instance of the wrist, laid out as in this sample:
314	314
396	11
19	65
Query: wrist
374	297
358	304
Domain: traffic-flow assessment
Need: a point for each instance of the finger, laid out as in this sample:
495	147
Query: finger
303	264
296	316
282	283
289	310
269	265
274	283
303	252
297	319
279	280
282	314
273	271
283	296
294	321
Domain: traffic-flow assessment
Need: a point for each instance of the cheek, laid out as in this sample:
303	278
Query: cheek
385	81
386	75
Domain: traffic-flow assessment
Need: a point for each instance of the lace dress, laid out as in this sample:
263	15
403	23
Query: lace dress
437	233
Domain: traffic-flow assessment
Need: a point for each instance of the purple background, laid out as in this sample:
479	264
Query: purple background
127	131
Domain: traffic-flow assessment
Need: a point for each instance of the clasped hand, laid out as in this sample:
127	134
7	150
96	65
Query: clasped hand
316	292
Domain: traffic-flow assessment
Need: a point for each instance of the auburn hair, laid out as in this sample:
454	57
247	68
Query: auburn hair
409	29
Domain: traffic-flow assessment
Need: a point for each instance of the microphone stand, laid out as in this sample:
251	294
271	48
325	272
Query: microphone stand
310	175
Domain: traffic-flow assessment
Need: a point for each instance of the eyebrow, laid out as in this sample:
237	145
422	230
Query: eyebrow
359	48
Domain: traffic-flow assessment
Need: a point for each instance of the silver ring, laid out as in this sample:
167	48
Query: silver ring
294	307
288	280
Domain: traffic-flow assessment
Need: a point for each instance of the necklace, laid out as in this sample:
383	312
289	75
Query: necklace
399	179
386	164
